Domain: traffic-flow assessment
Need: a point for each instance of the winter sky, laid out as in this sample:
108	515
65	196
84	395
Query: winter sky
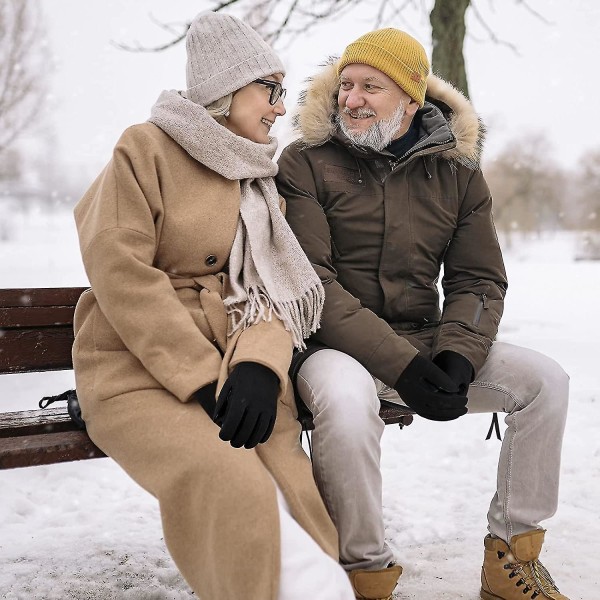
98	90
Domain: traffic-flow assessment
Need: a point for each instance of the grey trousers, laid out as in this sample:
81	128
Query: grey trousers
529	387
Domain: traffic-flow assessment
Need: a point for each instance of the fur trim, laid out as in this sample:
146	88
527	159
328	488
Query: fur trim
316	106
313	120
464	122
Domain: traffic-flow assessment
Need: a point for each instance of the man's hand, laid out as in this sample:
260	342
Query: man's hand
429	391
247	405
457	367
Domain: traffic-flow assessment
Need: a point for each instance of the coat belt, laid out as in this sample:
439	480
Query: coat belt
210	288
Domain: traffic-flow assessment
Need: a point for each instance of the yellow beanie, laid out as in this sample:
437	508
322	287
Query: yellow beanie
394	53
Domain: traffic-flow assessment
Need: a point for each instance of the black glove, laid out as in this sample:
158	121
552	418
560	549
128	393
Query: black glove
457	367
206	396
247	405
431	393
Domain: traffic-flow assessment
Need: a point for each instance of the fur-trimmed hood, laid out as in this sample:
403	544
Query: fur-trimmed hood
314	122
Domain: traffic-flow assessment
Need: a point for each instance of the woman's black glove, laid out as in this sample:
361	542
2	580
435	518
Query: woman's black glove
247	405
206	396
429	391
457	367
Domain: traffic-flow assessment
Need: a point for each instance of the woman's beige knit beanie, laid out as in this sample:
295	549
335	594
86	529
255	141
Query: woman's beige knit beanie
223	55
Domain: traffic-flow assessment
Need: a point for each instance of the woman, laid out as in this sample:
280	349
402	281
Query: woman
199	287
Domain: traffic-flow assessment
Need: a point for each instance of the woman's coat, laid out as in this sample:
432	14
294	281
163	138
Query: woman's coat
155	230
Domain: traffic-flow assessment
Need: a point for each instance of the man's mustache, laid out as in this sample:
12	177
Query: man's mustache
359	112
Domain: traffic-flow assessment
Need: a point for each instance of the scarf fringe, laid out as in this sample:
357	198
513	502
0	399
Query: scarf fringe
300	316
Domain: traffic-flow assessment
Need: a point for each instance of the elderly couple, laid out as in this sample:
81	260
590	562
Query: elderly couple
206	302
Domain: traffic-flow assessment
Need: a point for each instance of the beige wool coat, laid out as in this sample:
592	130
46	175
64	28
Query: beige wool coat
155	230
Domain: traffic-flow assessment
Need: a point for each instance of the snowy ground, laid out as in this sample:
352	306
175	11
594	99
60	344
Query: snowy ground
85	531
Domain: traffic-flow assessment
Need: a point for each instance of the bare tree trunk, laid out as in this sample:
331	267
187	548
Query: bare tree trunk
448	34
22	68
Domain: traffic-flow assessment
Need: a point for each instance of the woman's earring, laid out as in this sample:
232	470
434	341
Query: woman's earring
226	114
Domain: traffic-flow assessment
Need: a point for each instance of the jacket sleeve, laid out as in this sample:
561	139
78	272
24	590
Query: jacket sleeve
116	225
474	281
345	324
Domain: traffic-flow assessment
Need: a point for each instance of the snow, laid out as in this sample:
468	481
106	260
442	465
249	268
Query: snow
86	531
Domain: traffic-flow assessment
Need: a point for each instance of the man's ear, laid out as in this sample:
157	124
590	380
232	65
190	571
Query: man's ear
411	108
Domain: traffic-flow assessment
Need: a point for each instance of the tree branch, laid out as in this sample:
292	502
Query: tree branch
490	31
275	35
137	47
534	12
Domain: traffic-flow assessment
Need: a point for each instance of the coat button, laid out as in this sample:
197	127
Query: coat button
211	260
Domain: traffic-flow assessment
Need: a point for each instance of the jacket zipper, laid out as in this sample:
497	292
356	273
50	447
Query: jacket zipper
483	305
415	152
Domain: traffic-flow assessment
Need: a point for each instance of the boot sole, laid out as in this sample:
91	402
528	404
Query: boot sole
487	596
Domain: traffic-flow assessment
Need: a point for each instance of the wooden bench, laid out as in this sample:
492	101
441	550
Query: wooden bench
36	335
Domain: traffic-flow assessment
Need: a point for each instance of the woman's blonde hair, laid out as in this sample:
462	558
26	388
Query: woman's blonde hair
219	109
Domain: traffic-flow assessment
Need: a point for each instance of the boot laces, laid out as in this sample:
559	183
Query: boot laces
536	578
543	578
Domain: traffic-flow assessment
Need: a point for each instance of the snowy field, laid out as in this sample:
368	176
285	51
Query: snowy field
85	531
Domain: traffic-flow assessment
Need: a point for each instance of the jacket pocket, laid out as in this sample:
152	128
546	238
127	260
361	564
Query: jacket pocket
481	306
342	179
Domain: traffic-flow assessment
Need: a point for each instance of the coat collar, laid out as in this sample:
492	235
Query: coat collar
444	104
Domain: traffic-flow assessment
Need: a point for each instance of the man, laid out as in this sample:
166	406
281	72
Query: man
382	189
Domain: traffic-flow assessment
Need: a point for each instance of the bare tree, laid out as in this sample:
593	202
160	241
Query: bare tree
276	19
528	187
448	35
21	68
588	198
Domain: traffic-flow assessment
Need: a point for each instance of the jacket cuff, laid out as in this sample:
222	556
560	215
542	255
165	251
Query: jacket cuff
391	358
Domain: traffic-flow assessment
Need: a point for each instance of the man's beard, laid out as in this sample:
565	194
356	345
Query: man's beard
377	136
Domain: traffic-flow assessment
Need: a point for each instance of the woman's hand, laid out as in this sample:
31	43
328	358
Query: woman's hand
247	405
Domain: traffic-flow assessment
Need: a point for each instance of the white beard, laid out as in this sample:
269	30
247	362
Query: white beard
377	136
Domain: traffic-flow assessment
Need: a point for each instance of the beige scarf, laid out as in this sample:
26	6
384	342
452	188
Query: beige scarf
268	270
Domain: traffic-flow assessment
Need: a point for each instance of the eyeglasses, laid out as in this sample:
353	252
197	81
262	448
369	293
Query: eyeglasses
277	90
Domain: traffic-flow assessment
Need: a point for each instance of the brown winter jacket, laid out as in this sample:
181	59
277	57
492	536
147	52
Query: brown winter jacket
378	230
155	230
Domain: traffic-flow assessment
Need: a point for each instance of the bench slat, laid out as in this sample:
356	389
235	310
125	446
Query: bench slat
42	437
40	296
391	414
36	316
29	350
33	450
394	414
31	422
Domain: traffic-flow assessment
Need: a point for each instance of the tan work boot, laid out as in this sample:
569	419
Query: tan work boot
375	585
511	573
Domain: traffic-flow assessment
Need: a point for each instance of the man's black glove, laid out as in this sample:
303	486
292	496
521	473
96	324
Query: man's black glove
457	367
247	405
431	393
